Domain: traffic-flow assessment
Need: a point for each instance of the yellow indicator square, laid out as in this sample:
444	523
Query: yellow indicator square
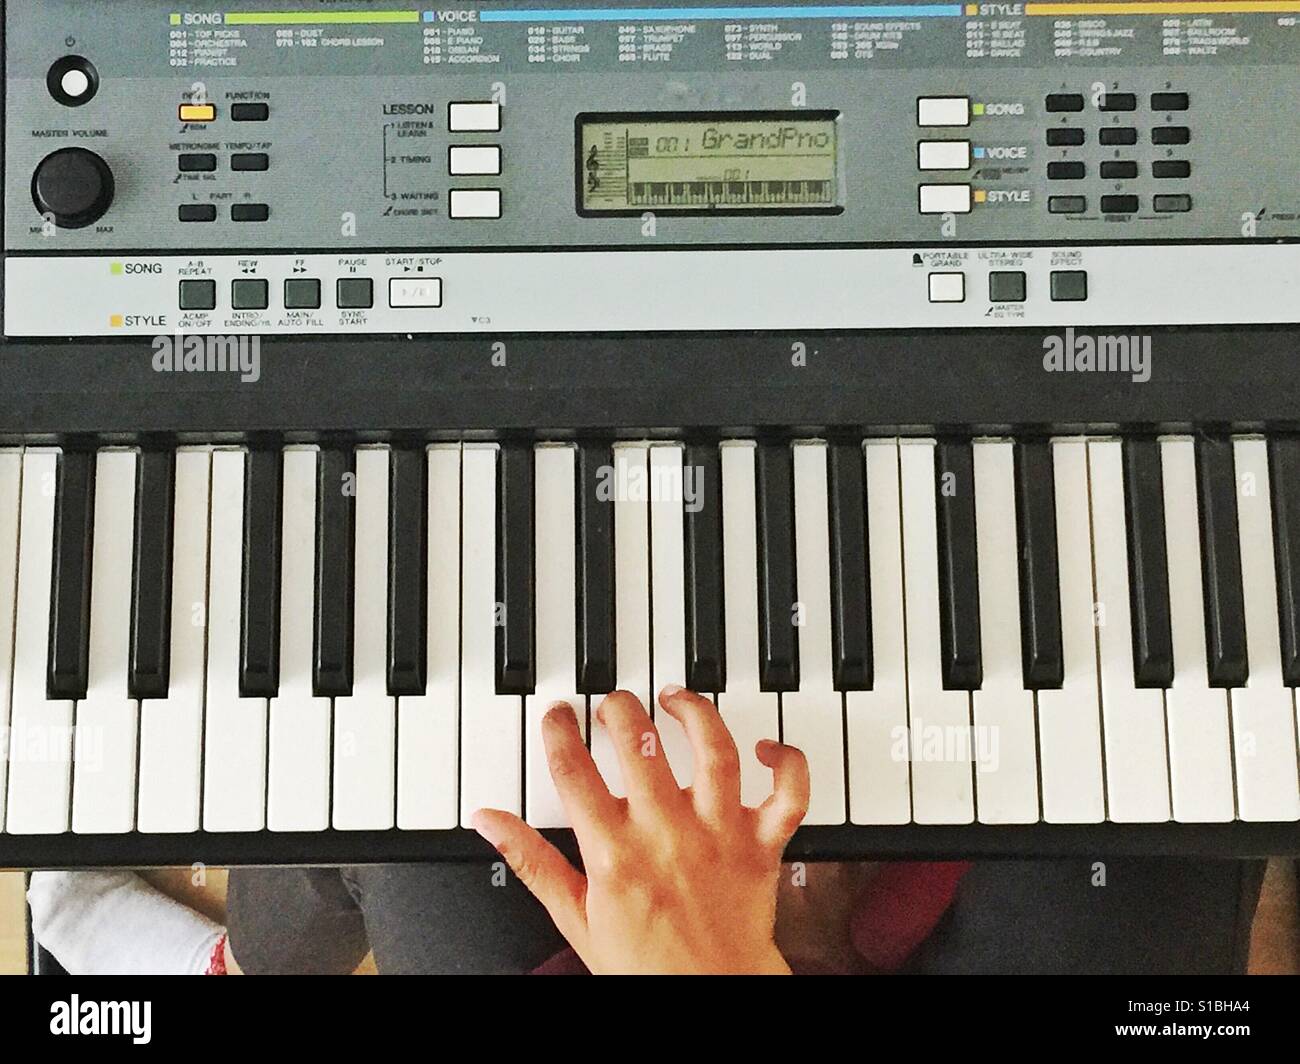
176	20
977	109
972	9
115	269
198	112
980	195
115	321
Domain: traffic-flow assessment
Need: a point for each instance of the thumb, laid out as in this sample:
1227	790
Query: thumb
540	867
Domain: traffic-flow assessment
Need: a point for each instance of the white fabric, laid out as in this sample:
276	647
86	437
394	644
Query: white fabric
114	923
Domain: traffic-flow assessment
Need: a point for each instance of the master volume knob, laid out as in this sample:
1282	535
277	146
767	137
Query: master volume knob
73	186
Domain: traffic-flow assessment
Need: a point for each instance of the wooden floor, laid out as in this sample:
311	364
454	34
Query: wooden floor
1275	943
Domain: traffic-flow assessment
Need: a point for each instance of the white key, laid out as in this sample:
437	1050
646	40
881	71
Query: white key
171	728
1133	718
427	726
668	581
631	596
103	778
365	722
938	719
1069	717
491	725
880	790
234	749
556	613
1263	712
1200	744
812	718
750	713
298	785
1006	744
40	751
11	469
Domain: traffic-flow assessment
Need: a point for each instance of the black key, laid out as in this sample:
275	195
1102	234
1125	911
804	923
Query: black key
1043	660
1225	610
74	533
149	668
706	657
1171	135
1171	168
1119	101
335	537
259	629
959	590
516	644
1169	101
595	570
408	600
778	645
1148	564
1284	476
850	572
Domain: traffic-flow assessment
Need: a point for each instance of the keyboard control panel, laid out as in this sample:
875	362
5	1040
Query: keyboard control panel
190	144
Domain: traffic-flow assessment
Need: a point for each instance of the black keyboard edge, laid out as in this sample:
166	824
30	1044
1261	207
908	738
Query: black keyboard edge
52	392
840	842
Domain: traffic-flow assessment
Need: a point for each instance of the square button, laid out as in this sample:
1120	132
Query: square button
355	293
250	112
945	199
1069	286
198	295
248	293
1006	286
197	212
948	287
424	292
302	293
474	117
249	212
475	203
943	155
476	160
943	111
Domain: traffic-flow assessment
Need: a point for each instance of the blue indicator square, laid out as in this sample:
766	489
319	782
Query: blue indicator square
979	153
429	16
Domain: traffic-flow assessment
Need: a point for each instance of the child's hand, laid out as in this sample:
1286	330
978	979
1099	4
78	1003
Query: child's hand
678	881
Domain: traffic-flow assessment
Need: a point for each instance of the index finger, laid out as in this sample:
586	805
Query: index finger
592	810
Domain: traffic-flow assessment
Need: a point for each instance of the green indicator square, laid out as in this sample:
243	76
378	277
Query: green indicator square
115	269
977	109
176	20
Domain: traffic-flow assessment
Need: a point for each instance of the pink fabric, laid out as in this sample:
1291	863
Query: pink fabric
895	913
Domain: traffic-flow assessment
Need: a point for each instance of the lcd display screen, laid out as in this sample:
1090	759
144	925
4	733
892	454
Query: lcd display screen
752	162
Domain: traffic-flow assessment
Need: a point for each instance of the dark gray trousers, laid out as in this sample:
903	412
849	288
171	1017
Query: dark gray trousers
1152	916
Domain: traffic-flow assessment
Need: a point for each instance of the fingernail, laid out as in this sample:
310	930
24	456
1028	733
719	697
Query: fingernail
671	689
562	707
483	825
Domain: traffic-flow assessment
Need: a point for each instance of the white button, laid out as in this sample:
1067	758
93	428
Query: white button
947	288
945	199
75	83
474	160
415	292
474	117
941	155
943	111
475	203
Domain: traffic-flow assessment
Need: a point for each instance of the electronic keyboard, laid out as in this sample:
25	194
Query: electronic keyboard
916	379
